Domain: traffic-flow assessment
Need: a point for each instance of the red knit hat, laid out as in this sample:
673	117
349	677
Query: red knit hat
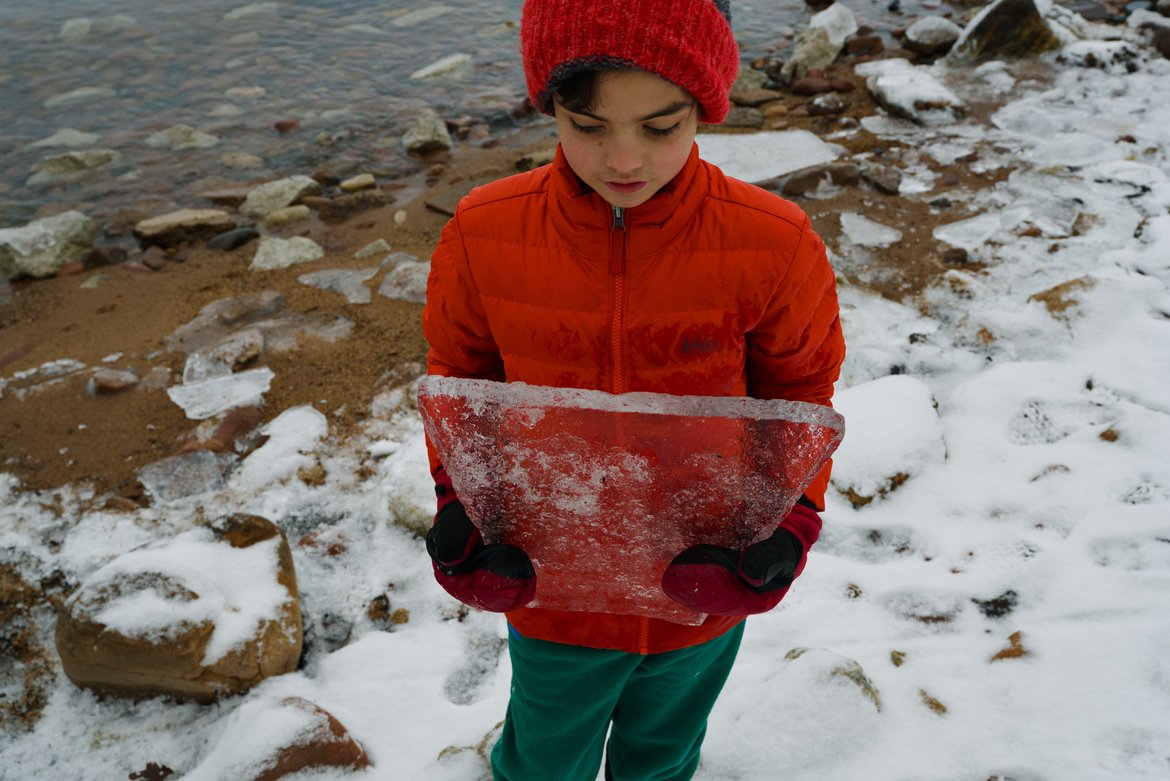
687	42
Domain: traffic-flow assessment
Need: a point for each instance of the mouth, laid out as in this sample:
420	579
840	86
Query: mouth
625	187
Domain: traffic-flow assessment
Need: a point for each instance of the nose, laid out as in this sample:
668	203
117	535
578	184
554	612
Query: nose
623	156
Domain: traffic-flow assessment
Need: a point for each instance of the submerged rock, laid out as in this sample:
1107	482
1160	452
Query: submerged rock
181	137
74	166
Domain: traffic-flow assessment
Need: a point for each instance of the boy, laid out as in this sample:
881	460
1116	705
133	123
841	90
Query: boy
628	264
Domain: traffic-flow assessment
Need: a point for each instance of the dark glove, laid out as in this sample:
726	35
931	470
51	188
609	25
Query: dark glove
495	577
725	582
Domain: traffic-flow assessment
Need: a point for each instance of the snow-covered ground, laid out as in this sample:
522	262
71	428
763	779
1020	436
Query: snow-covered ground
1029	421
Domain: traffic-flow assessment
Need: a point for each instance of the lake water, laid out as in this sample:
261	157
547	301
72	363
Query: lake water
122	70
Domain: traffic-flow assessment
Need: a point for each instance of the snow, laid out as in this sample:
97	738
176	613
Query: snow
1052	500
233	588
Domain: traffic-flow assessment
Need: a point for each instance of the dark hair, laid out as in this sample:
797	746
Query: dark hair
579	91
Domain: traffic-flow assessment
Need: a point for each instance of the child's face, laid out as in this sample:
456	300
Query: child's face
637	136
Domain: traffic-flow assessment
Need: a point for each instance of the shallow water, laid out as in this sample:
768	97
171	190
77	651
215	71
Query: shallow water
124	69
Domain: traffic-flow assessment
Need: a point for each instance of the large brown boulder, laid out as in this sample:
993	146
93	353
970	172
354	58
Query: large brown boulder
1008	29
269	740
204	615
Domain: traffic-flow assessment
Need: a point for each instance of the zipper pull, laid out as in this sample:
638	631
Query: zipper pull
619	218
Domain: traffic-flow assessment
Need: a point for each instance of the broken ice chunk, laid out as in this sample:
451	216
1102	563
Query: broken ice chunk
205	398
867	233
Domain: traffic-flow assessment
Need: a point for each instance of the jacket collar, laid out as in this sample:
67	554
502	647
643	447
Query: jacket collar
585	220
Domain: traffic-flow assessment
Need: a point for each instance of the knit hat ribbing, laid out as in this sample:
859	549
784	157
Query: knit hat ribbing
687	42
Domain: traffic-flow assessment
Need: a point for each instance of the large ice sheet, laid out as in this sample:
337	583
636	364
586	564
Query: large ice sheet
602	491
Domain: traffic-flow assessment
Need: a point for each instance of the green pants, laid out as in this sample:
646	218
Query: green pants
564	698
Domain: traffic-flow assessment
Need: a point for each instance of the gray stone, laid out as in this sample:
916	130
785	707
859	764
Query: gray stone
169	230
269	197
226	242
745	117
181	137
375	247
932	35
749	79
74	166
429	134
287	216
220	318
66	136
275	253
814	49
41	248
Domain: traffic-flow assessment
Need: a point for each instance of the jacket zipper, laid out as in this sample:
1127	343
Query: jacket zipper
617	275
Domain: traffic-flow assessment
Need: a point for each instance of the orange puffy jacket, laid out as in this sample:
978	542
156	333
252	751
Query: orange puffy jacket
712	287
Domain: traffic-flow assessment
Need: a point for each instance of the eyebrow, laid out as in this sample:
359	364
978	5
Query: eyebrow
662	112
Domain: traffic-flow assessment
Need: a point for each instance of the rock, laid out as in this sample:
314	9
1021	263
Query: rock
895	434
287	216
274	253
39	249
955	256
181	137
75	30
1163	7
754	97
286	125
375	247
822	105
359	182
810	86
931	36
1161	41
1007	29
743	116
74	166
106	382
226	242
343	206
451	65
271	196
906	91
886	179
830	666
220	318
429	134
309	737
104	256
222	358
1118	57
227	196
170	230
69	137
838	21
81	95
154	258
813	49
806	182
865	44
749	79
236	423
242	160
217	626
407	281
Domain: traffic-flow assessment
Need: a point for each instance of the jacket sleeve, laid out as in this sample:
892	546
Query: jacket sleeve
455	324
796	349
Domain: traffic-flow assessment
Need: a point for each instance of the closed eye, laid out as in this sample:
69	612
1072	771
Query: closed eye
586	129
663	132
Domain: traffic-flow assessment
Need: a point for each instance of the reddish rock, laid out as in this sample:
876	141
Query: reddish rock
286	125
865	44
155	258
343	206
71	269
105	382
754	97
842	85
811	85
